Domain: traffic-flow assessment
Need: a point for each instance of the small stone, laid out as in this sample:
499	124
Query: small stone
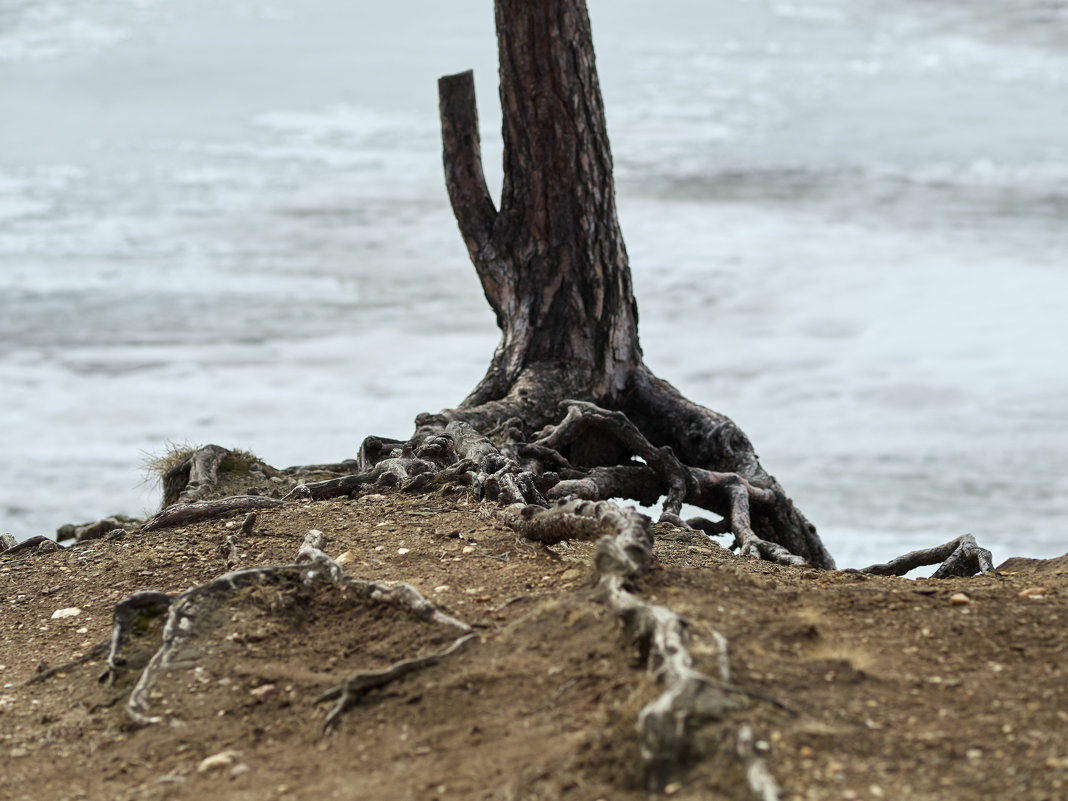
80	630
221	760
231	524
959	599
262	690
373	498
1032	594
403	551
441	588
672	788
71	611
345	558
239	769
974	753
468	549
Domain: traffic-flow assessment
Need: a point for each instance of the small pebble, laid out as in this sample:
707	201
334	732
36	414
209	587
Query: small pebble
959	599
402	551
1032	594
345	558
469	549
262	690
442	588
221	760
71	611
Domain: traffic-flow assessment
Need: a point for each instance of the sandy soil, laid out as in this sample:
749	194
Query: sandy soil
896	688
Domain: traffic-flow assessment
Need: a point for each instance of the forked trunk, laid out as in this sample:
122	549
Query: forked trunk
554	269
551	259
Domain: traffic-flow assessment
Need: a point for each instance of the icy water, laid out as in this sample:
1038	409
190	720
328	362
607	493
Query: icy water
226	222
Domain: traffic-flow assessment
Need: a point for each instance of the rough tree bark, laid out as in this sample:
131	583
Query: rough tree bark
554	269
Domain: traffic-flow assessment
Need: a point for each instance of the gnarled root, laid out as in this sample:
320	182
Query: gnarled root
182	514
960	557
761	782
624	553
181	614
349	693
786	536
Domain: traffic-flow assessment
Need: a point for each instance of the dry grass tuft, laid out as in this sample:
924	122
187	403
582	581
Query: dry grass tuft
156	466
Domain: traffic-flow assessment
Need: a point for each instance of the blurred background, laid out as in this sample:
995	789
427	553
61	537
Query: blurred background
226	222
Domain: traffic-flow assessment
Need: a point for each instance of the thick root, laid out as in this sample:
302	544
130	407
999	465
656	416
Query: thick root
690	698
788	537
182	514
180	615
960	557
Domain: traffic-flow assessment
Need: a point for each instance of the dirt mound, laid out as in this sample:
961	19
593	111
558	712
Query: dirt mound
857	687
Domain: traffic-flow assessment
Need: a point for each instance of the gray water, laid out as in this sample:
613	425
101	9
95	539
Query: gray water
226	222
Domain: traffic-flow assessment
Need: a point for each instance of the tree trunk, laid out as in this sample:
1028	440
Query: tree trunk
554	269
552	260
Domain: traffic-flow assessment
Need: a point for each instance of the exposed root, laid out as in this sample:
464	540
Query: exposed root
248	524
582	416
960	557
95	652
730	494
405	596
35	544
624	552
131	616
97	529
190	475
182	614
349	693
760	780
741	493
181	514
228	548
580	520
184	611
